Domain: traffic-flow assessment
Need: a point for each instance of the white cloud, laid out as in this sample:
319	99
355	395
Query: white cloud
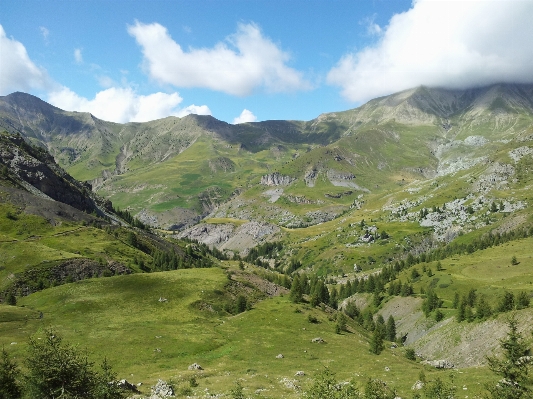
246	61
125	105
105	81
45	32
245	116
453	44
372	29
77	56
17	71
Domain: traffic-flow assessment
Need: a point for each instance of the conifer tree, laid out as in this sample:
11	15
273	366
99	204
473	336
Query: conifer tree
376	342
390	329
296	290
514	366
9	387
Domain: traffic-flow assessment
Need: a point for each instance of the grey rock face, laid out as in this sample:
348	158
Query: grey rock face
276	179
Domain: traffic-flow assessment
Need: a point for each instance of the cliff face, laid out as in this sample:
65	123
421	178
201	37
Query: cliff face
34	169
276	179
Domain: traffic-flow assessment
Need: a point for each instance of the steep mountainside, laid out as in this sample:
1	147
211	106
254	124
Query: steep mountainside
415	206
173	172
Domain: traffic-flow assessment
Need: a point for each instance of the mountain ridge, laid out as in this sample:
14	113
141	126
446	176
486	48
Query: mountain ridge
417	133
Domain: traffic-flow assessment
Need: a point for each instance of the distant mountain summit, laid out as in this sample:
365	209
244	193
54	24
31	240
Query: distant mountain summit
173	164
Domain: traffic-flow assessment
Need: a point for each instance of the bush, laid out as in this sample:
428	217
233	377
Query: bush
57	370
9	387
410	354
325	386
514	366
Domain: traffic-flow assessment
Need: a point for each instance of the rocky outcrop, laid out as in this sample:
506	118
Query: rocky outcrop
35	167
161	390
230	237
310	177
68	271
343	179
276	179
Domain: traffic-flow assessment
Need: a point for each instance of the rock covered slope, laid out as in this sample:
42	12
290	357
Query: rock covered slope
173	172
32	168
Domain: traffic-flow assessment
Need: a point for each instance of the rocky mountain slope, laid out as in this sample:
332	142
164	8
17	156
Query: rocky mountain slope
173	172
429	187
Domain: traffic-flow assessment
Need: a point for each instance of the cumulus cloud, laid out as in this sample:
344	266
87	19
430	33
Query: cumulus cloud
125	105
454	44
245	116
17	71
77	56
245	61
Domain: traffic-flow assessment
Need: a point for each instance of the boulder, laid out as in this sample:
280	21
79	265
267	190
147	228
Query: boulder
317	340
195	366
162	390
280	356
124	384
439	364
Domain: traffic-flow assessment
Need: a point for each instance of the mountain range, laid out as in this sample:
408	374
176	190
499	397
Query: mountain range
430	187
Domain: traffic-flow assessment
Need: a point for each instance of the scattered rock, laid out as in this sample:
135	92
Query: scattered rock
195	366
124	384
162	390
291	384
439	364
299	374
417	386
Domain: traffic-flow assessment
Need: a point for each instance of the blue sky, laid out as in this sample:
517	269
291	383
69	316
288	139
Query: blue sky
295	59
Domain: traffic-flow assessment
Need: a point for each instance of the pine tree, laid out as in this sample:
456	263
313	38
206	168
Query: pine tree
507	303
325	386
377	389
57	370
461	309
456	299
522	300
439	389
376	342
390	329
514	366
333	298
9	387
296	290
483	309
341	323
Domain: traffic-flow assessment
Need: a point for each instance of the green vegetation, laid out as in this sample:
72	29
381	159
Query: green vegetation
393	231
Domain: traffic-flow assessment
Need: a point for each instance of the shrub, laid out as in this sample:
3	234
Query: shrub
56	370
514	366
410	354
9	387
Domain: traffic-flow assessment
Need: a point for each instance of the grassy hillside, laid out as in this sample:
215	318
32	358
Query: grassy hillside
152	339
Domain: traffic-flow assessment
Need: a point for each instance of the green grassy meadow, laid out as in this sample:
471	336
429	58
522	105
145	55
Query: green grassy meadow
121	318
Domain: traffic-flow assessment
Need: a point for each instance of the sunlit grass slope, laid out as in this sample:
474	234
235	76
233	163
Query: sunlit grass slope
121	318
